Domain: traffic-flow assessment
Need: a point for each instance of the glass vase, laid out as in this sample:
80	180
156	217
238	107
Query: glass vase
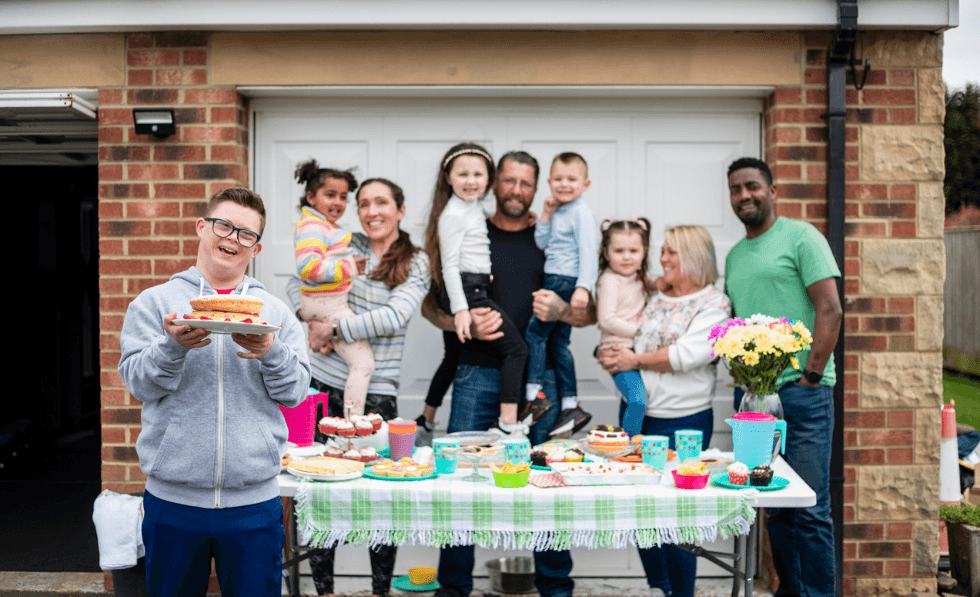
765	403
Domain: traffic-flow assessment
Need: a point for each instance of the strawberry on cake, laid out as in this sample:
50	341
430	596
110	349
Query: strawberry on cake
227	307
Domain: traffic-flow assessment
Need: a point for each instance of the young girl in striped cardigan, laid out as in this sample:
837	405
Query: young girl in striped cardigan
326	265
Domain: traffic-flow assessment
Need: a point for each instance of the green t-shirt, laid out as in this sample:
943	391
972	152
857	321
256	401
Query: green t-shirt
770	273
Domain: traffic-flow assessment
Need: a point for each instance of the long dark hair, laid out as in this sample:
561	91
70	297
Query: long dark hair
639	226
397	260
440	197
312	176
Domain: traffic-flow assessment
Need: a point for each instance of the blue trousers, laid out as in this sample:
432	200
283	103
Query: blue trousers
555	336
670	568
802	539
475	407
630	383
246	543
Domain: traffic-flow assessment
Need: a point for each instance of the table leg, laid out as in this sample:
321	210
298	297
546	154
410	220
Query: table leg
751	543
738	576
289	548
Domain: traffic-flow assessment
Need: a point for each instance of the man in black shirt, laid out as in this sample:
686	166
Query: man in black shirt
518	272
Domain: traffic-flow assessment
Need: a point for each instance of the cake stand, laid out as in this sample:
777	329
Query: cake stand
474	457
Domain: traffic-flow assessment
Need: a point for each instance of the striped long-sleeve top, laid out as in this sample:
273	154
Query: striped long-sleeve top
381	317
324	260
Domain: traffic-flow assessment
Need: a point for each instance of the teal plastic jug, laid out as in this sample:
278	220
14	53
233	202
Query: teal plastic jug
753	435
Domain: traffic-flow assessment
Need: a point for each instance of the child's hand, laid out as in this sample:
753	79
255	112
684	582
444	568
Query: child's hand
532	218
462	321
361	263
580	299
650	284
550	205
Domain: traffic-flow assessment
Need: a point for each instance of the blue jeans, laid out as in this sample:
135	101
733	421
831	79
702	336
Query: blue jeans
537	337
630	383
670	568
246	543
475	407
802	539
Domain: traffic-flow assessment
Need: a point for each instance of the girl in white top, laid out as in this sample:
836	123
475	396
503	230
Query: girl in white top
621	296
458	247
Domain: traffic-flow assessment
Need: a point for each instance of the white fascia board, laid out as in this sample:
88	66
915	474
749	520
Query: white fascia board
24	17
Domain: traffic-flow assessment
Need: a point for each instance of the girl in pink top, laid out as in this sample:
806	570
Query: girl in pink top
621	297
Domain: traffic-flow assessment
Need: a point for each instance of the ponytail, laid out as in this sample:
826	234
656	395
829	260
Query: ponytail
396	262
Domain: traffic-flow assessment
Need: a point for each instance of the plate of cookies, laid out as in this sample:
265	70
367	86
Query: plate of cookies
405	469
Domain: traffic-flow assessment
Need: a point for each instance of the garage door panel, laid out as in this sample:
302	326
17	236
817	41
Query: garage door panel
638	162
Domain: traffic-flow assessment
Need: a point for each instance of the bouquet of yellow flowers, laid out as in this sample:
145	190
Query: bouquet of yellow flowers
759	348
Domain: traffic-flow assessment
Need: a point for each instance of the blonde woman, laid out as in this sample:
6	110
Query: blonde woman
673	355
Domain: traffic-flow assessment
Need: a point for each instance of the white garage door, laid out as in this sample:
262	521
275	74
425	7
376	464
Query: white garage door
663	158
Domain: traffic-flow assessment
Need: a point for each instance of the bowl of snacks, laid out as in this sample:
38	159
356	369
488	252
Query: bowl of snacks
511	474
691	475
422	575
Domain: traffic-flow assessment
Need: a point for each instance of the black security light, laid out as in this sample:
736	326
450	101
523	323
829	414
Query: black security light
158	122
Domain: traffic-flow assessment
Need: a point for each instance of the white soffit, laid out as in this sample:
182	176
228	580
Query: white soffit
509	91
87	16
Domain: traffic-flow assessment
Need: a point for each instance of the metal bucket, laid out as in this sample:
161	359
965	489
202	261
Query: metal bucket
512	575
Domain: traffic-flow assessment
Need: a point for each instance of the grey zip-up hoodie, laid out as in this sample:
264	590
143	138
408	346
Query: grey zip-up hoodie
213	435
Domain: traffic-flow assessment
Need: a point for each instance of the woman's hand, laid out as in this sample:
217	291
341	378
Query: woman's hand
462	321
321	335
616	359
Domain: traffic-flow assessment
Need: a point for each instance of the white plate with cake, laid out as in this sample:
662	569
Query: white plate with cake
228	314
230	327
324	468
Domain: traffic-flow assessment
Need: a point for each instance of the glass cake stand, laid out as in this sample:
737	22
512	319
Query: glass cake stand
474	456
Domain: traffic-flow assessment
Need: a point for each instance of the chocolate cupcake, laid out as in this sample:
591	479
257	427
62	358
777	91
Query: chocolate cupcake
538	458
761	476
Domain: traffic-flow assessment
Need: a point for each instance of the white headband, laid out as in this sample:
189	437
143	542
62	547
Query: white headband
456	154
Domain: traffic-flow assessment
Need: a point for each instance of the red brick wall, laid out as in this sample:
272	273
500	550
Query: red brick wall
880	436
151	191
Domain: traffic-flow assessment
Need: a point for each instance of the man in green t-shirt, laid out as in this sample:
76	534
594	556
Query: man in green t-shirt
785	268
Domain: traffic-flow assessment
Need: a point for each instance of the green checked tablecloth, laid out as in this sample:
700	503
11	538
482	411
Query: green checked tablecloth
447	511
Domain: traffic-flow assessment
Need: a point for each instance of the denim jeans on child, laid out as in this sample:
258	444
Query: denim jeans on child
553	336
802	539
475	407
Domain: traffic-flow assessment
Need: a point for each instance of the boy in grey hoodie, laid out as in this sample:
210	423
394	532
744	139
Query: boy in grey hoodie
212	434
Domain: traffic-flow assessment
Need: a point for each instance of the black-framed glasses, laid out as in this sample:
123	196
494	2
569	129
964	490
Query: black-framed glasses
224	229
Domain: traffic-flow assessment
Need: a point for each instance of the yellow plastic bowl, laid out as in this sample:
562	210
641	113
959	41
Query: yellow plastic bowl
421	575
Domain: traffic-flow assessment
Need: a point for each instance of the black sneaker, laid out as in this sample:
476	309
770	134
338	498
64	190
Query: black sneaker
570	421
423	436
535	409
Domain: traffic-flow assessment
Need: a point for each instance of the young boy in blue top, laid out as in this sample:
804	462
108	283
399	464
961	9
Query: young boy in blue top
566	233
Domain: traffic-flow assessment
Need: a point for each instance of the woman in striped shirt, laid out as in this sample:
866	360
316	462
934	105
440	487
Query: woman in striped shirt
383	300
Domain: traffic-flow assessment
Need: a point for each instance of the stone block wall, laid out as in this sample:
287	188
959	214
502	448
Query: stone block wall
151	191
893	281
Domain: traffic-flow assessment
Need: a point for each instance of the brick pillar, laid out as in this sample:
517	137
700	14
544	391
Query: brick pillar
893	285
151	191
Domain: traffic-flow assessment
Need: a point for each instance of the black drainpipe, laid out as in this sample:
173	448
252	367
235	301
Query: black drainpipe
839	56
